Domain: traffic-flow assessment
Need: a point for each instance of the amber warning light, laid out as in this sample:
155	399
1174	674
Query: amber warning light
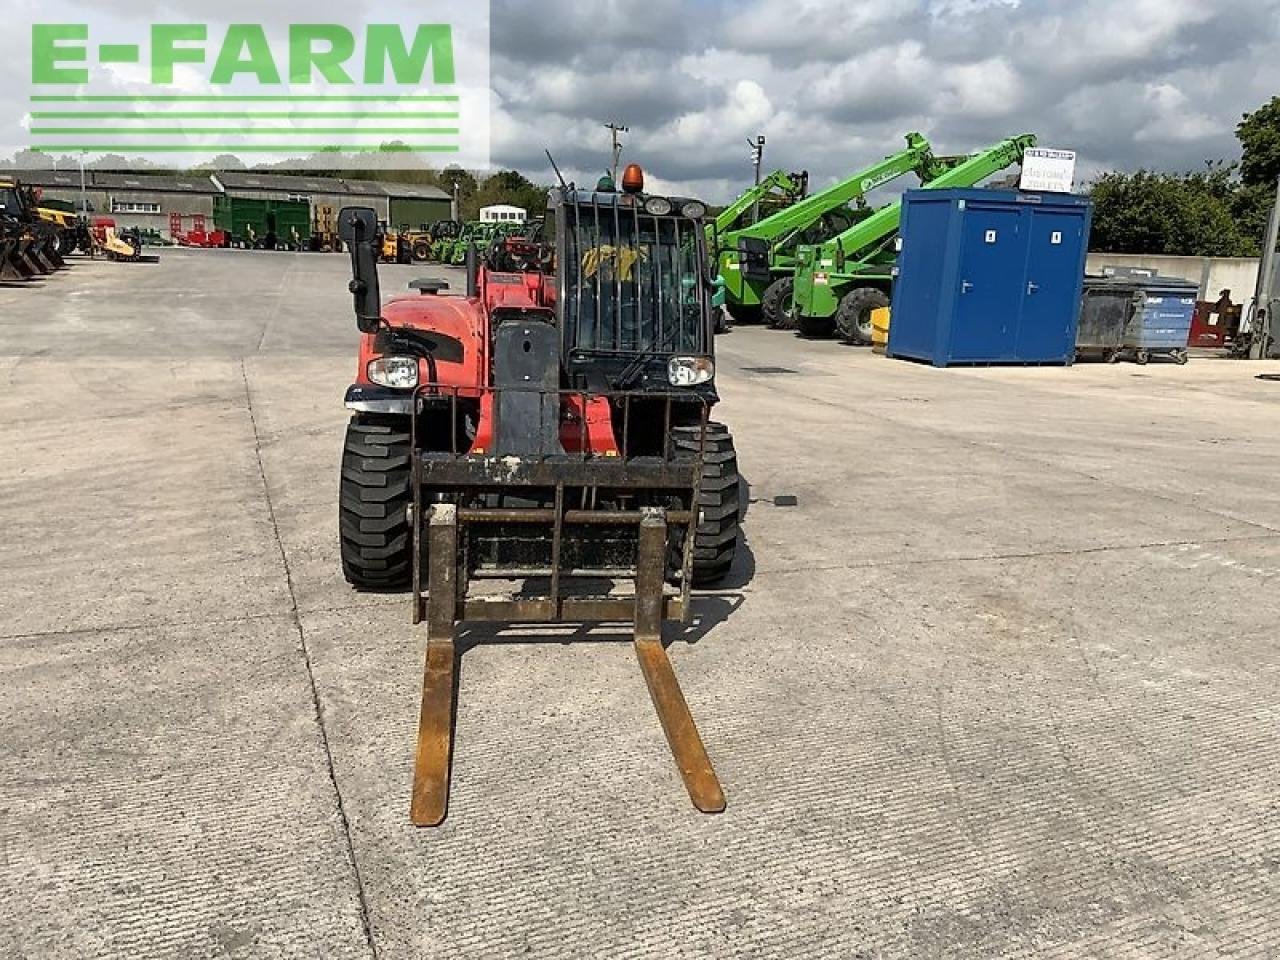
633	179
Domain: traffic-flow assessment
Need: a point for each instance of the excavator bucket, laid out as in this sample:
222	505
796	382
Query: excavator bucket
464	531
28	262
45	251
10	271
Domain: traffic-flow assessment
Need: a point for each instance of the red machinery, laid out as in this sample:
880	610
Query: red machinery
198	235
547	427
1215	325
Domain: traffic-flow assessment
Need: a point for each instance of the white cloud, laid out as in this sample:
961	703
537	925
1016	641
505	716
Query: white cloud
1173	118
835	84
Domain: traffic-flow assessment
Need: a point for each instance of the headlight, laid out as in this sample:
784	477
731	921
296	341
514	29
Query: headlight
694	210
690	371
398	372
658	206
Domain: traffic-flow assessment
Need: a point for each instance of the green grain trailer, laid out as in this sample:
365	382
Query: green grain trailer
258	224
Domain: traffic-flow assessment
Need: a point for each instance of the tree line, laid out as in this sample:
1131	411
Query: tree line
1220	211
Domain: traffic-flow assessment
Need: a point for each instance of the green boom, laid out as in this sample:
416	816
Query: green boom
754	257
838	283
777	189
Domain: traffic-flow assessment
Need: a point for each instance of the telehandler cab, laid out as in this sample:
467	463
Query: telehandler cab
545	428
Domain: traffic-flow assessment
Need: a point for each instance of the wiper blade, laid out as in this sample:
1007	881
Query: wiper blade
634	368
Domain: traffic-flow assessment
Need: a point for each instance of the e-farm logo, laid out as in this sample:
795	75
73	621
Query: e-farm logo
285	88
315	50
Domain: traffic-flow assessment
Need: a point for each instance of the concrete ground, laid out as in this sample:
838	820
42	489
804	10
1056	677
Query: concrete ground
1003	683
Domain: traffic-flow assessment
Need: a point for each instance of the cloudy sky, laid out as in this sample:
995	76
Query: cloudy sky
835	83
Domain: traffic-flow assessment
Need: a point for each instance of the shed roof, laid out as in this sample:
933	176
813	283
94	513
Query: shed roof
278	182
411	191
154	184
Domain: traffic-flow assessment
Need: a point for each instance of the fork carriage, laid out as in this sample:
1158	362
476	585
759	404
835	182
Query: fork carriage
581	517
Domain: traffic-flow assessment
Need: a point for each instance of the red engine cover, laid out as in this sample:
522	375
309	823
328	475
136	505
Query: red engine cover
587	424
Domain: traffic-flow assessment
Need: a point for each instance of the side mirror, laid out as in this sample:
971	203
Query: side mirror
357	223
358	229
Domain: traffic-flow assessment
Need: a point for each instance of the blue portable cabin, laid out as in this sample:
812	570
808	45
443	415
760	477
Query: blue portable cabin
989	277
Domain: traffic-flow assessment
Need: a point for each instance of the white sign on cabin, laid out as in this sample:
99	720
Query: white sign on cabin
1048	171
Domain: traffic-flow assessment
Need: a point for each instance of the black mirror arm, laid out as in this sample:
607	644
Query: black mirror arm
357	228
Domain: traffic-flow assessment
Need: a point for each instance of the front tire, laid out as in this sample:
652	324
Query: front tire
374	501
853	318
716	542
778	305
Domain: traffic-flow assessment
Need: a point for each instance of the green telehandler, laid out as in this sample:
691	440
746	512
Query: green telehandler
455	250
754	259
838	284
778	191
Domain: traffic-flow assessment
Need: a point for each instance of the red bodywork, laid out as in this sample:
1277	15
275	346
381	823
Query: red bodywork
99	226
1214	328
198	235
587	421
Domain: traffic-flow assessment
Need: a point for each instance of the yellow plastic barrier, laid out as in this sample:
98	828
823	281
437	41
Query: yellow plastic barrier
880	329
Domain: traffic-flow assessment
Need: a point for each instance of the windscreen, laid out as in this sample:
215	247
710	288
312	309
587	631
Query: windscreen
632	282
10	205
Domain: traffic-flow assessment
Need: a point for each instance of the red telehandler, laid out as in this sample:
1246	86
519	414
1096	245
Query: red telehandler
551	427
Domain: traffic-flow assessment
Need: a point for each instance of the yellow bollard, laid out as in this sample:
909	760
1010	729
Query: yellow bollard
880	330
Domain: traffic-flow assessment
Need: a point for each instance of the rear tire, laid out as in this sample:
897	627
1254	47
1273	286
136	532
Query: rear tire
853	318
716	542
777	306
374	498
421	252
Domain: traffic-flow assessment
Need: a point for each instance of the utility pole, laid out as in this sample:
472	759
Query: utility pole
615	129
757	158
1263	325
84	196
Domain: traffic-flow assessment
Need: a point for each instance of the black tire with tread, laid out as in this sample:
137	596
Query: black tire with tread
853	317
779	311
374	500
716	542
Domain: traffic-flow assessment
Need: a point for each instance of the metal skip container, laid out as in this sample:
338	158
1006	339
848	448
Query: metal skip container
1133	313
1104	317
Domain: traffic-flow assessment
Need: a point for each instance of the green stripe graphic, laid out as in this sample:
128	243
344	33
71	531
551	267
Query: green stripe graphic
227	98
244	115
298	108
290	148
263	132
